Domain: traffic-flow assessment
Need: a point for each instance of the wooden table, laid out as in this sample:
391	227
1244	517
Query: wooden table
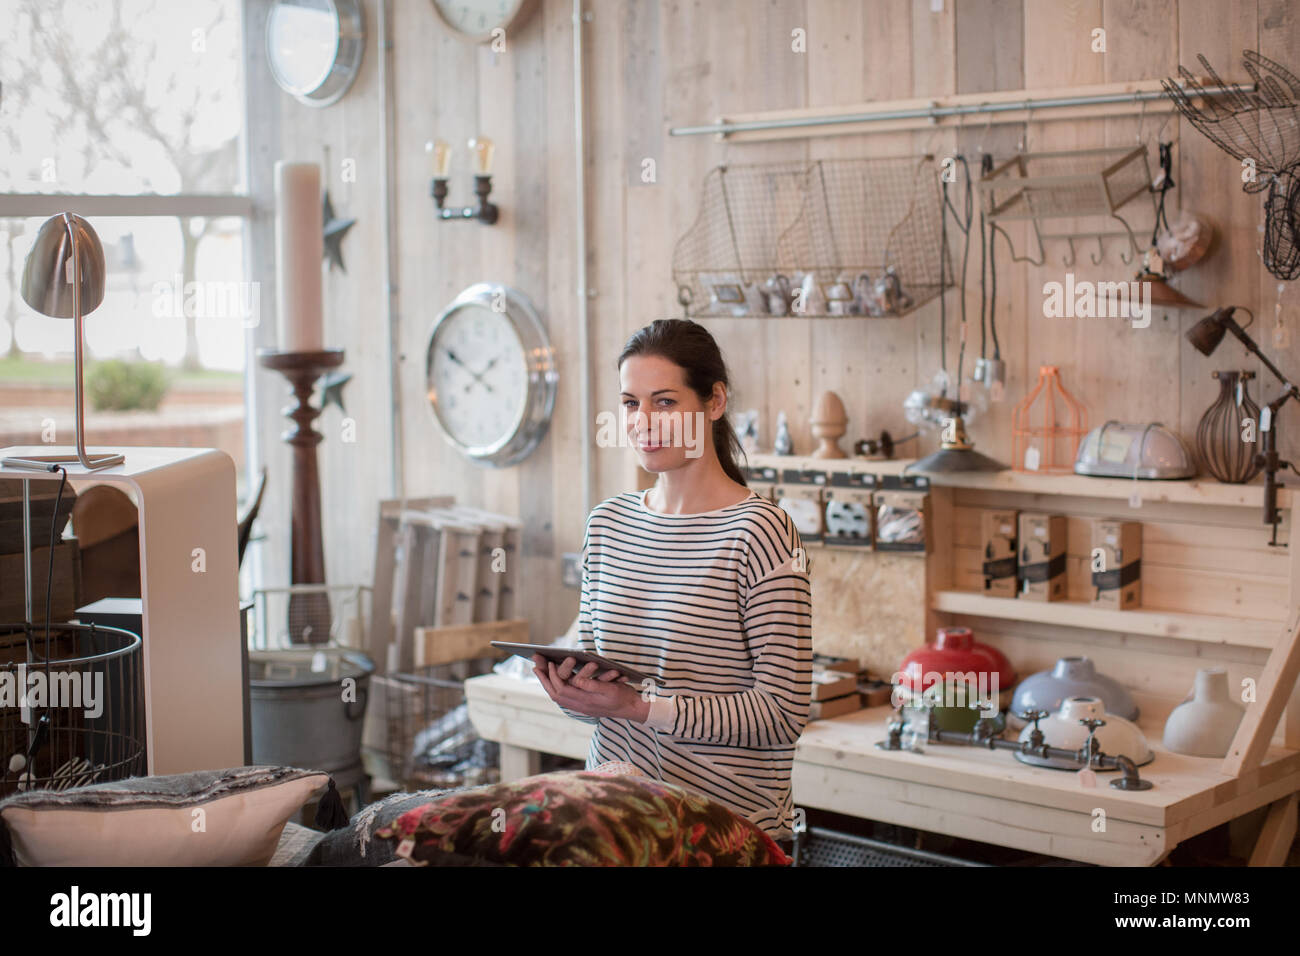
961	791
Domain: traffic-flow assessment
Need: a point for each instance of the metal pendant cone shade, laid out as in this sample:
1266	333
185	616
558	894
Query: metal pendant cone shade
956	453
45	285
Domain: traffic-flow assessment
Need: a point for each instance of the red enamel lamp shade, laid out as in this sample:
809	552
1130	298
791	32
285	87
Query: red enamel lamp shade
954	650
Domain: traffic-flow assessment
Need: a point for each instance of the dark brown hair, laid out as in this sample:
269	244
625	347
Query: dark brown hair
690	345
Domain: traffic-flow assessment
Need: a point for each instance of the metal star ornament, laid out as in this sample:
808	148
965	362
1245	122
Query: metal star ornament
332	383
335	230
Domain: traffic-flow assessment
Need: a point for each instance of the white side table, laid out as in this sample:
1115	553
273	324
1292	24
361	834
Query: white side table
192	681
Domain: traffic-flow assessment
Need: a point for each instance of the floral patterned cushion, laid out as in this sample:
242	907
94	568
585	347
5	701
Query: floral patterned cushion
583	819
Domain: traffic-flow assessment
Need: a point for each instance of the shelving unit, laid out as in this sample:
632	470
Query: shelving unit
1207	628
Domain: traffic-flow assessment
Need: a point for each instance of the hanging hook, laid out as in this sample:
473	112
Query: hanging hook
1101	253
1068	262
1163	126
1142	115
1024	130
1127	256
988	124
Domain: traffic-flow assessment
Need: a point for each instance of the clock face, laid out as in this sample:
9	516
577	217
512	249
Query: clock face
479	377
477	19
490	374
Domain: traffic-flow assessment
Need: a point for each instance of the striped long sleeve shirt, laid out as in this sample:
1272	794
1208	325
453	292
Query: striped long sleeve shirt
717	605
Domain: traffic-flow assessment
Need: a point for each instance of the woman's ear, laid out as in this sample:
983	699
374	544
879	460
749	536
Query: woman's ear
718	402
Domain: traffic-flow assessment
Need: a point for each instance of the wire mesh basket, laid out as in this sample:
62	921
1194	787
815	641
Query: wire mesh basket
834	237
1069	185
280	615
431	742
821	847
78	714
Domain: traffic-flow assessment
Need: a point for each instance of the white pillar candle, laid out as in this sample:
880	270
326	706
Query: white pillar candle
299	240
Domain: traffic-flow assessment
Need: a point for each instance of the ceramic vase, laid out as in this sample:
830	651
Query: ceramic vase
1070	677
1205	725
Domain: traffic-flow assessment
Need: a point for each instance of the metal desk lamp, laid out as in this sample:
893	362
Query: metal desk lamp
66	247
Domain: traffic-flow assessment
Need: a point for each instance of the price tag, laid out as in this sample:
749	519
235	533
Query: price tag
1265	418
1135	499
1031	458
318	662
1087	777
995	391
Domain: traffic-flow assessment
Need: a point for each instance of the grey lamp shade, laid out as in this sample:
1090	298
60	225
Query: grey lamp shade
45	285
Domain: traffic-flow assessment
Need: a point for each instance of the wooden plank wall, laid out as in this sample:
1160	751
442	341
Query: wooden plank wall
653	64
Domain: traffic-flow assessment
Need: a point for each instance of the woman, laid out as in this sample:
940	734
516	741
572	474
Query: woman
697	581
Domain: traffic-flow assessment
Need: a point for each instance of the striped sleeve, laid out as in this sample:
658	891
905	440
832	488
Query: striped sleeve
586	638
777	617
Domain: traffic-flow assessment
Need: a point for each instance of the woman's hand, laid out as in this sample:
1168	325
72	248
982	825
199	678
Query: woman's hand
608	695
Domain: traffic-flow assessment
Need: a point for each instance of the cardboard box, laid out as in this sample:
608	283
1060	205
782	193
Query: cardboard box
875	693
827	684
999	531
900	521
845	665
821	709
1116	562
1042	557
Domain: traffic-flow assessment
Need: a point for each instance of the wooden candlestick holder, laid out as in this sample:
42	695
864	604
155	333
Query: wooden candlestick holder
309	614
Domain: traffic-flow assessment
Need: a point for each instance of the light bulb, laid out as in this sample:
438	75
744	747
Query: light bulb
439	158
481	149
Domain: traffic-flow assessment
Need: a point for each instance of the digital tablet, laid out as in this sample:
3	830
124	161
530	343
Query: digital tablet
558	654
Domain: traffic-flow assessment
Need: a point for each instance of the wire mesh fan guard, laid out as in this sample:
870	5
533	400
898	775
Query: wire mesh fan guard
77	749
1038	430
866	230
1261	129
1223	451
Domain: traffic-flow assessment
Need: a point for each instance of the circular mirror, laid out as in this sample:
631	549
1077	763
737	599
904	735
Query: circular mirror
314	47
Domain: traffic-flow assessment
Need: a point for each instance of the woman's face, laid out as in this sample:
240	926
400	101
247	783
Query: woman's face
666	422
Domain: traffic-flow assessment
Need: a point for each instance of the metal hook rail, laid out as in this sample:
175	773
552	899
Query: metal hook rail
914	114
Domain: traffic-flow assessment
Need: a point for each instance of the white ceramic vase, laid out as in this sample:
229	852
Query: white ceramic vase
1205	725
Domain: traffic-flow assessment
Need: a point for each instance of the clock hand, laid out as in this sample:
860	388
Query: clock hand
477	377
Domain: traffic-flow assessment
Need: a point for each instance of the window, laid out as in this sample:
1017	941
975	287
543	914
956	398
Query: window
131	114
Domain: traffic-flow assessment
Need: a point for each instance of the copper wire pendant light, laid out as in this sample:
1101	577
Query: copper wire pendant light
1221	437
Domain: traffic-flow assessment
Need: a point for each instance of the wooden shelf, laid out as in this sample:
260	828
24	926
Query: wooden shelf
1196	491
1239	632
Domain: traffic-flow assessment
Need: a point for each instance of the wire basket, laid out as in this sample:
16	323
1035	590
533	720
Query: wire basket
83	721
821	847
835	237
1069	184
431	743
280	614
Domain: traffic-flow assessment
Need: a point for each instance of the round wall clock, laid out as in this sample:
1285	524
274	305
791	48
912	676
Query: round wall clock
314	47
490	372
476	19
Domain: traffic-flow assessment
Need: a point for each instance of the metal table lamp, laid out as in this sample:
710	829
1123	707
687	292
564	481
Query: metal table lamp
66	247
